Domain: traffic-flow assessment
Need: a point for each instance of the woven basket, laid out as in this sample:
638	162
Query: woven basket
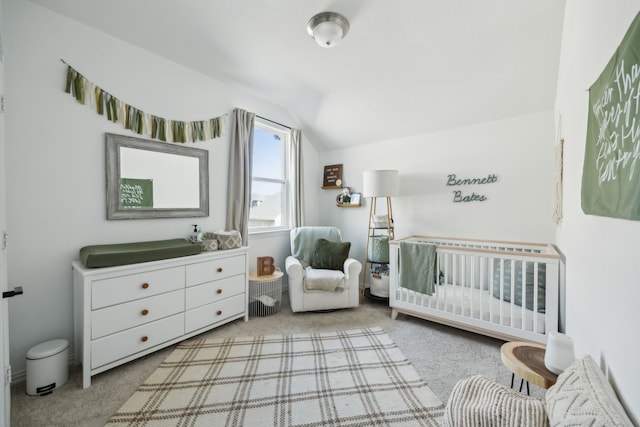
228	239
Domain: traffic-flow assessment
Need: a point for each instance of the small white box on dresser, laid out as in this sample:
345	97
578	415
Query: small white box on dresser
125	312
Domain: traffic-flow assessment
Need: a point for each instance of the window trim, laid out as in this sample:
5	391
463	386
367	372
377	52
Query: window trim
284	133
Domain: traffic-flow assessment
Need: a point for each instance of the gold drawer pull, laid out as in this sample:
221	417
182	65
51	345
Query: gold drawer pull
219	312
219	270
145	312
144	338
219	291
145	286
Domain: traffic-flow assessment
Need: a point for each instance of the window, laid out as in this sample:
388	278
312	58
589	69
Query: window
269	178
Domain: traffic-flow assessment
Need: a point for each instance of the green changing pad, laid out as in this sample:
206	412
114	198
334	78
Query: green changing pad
133	253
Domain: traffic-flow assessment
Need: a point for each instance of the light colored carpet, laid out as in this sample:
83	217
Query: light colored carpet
441	355
343	378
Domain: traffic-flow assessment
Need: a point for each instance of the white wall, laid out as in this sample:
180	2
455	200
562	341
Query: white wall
602	253
55	157
519	206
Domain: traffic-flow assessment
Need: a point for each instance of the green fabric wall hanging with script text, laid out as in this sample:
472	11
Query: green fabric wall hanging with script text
611	171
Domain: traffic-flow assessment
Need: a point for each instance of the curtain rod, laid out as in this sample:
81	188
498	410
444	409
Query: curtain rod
279	124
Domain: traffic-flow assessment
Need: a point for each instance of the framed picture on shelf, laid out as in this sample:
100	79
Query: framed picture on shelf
355	199
332	177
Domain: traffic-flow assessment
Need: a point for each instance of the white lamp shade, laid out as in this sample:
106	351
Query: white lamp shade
559	352
380	183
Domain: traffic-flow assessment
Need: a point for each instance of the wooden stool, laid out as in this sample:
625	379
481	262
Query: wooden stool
526	360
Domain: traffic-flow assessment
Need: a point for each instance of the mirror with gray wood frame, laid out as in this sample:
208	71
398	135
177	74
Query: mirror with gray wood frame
150	179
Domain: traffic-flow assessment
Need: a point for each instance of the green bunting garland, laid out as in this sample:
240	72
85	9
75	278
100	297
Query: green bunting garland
137	120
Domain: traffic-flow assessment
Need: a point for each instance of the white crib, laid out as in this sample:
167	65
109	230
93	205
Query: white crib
474	282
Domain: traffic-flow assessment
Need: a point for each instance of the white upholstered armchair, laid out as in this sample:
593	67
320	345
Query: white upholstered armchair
321	275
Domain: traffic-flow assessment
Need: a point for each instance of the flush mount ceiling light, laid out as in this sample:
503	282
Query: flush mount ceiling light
328	28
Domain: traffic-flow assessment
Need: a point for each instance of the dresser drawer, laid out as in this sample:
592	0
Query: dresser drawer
208	271
214	291
213	313
116	290
117	346
116	318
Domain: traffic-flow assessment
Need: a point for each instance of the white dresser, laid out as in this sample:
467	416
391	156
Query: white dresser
125	312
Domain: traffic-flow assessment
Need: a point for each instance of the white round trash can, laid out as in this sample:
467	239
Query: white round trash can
47	367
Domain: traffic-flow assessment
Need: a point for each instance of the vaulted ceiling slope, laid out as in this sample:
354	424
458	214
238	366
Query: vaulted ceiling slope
406	67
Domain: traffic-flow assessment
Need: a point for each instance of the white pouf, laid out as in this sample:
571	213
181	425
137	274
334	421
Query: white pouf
47	367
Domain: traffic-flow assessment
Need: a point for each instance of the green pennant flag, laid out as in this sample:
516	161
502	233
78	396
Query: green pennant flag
162	134
67	88
78	84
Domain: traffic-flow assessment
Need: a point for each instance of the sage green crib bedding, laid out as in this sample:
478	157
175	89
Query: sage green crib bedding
529	283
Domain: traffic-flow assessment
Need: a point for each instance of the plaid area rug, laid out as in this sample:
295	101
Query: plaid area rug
347	378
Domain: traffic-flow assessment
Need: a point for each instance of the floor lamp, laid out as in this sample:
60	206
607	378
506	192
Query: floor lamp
375	184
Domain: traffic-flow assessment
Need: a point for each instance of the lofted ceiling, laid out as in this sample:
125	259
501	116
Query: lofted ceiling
407	67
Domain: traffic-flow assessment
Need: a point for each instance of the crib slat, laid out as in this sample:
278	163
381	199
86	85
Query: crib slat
551	297
481	284
448	281
535	327
455	281
463	282
493	279
523	301
472	285
501	287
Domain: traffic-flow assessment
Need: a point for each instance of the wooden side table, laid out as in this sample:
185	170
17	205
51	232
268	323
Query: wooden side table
526	360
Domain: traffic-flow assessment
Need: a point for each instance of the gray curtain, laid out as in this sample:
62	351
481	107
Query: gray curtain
240	161
295	179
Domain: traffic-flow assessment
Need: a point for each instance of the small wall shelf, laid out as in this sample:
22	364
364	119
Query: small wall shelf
348	205
331	187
